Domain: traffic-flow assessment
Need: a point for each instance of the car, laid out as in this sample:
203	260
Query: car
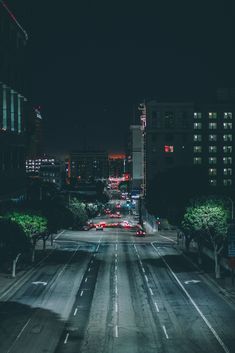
140	233
99	227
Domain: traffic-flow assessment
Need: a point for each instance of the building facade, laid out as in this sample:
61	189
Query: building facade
186	134
117	163
13	40
89	165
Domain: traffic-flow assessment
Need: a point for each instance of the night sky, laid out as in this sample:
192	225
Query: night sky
90	61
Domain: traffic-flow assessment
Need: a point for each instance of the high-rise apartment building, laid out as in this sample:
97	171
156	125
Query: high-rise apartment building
185	134
13	39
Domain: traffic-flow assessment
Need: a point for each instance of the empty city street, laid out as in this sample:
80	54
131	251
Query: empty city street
109	292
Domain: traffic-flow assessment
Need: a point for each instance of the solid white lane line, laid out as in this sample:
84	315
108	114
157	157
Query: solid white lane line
156	306
81	293
151	291
75	312
164	329
193	303
116	331
66	338
58	235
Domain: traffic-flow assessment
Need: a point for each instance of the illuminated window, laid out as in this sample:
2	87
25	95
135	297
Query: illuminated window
168	148
228	116
197	126
228	171
227	137
212	126
197	160
212	160
197	138
12	111
227	126
227	182
227	149
212	149
197	115
212	115
197	149
212	137
212	171
227	160
169	120
212	182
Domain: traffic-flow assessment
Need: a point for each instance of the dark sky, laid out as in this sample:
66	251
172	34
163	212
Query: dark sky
89	61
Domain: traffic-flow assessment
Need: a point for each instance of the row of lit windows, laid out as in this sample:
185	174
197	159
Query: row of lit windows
198	138
212	149
212	160
213	126
226	171
213	115
226	182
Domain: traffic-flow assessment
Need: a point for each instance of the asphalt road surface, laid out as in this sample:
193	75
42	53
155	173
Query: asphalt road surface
111	292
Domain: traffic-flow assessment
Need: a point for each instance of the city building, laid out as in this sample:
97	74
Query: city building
33	166
13	40
186	134
53	172
117	162
34	133
89	165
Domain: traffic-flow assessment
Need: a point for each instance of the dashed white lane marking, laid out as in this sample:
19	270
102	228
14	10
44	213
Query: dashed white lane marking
86	279
81	293
116	307
193	303
146	278
91	261
115	255
23	329
66	338
151	291
143	269
156	306
167	238
164	329
116	247
75	312
116	278
116	331
115	260
116	290
115	267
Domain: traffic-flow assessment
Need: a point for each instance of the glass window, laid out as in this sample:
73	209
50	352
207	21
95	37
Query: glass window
197	160
212	171
228	137
212	160
212	115
169	120
212	137
213	182
228	171
227	182
197	115
228	116
227	149
227	160
212	126
227	126
197	138
212	149
197	149
197	126
168	148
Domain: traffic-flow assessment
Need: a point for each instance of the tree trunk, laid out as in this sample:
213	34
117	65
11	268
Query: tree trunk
14	265
51	239
33	253
44	243
217	265
199	246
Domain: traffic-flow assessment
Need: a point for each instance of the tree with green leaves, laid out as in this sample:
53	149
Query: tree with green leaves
13	242
206	222
78	210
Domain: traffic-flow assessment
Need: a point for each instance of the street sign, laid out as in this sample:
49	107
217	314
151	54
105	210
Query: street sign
231	240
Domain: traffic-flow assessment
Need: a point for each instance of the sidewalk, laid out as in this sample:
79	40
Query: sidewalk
9	285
